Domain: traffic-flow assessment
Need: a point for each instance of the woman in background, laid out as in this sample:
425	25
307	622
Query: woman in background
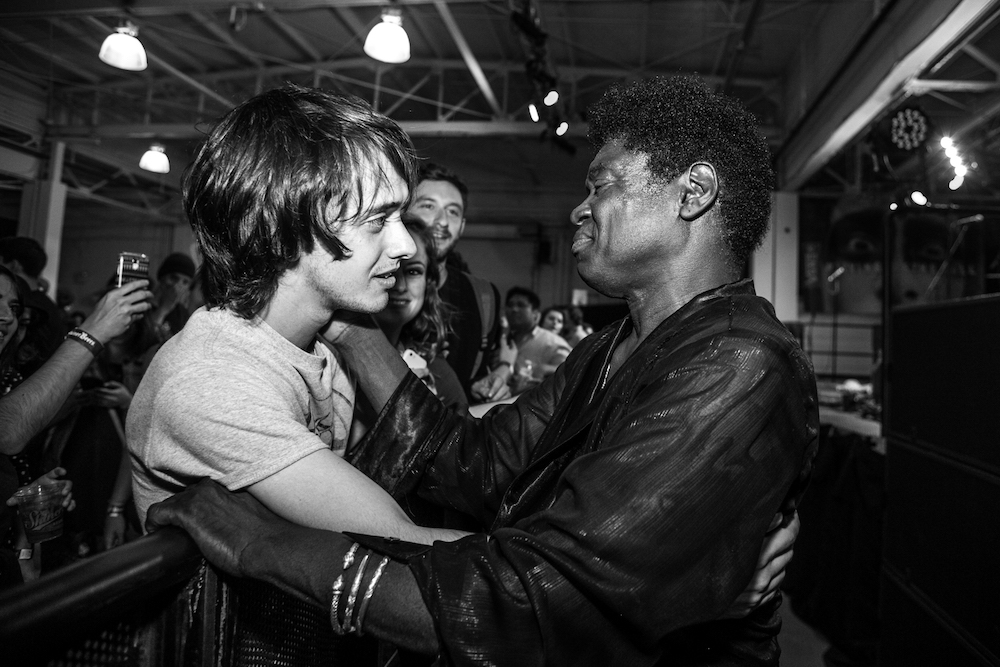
553	319
416	319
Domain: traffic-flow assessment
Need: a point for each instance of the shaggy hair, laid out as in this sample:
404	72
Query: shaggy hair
677	121
274	176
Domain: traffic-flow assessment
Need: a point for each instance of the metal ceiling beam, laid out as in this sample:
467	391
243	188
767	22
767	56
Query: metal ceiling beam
983	58
221	34
292	34
47	55
922	86
147	215
566	72
740	49
165	44
50	8
173	71
468	56
493	128
908	39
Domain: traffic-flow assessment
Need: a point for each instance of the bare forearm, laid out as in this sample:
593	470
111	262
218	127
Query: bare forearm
30	406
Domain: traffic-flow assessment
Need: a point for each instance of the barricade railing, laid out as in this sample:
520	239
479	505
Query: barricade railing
154	603
128	606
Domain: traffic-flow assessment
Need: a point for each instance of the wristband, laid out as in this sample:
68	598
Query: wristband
503	363
115	510
85	339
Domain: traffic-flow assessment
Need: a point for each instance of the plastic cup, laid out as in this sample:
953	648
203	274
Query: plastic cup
41	511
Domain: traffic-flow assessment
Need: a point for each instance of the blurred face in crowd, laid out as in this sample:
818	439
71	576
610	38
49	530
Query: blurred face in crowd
553	321
520	315
178	281
10	310
439	205
406	297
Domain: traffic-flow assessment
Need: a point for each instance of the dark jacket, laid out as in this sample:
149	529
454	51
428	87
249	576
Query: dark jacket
624	513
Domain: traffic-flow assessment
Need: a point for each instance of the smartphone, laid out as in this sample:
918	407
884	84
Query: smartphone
131	266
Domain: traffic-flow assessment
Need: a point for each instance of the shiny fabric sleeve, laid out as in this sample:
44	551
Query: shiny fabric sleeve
656	528
481	456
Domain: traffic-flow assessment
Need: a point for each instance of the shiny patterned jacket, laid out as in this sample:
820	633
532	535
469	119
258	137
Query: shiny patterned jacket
622	514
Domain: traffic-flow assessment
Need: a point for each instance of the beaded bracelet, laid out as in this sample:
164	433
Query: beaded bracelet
83	338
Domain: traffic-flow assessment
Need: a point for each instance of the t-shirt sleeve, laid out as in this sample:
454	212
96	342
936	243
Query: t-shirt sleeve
234	425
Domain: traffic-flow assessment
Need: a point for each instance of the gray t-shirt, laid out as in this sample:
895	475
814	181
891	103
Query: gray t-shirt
233	400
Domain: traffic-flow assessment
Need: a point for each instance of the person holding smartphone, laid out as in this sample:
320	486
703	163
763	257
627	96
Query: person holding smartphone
29	405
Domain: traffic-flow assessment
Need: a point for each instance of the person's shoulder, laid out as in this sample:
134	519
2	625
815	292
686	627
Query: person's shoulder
740	330
550	338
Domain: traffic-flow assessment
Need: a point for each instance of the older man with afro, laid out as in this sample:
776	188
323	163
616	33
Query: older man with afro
624	499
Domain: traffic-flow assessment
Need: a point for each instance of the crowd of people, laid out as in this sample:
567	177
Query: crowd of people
65	387
633	499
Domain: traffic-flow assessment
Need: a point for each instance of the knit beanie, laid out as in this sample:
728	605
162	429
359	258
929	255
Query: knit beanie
176	262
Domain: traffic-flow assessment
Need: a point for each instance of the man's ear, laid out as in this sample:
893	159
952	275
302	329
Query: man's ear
701	189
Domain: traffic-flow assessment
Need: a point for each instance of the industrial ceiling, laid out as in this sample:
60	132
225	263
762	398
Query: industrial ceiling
823	76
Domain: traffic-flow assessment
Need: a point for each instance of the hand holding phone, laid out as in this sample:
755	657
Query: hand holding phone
131	266
120	307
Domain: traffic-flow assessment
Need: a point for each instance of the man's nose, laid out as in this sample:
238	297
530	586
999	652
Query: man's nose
401	244
579	214
440	219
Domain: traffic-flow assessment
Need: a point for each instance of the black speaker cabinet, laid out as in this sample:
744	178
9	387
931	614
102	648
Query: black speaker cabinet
940	592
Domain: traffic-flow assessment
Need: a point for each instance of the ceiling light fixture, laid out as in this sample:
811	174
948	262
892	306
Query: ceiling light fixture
551	98
155	160
122	49
562	129
387	41
533	112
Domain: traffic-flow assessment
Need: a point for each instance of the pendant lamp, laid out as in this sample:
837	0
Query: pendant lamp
122	49
155	160
387	41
